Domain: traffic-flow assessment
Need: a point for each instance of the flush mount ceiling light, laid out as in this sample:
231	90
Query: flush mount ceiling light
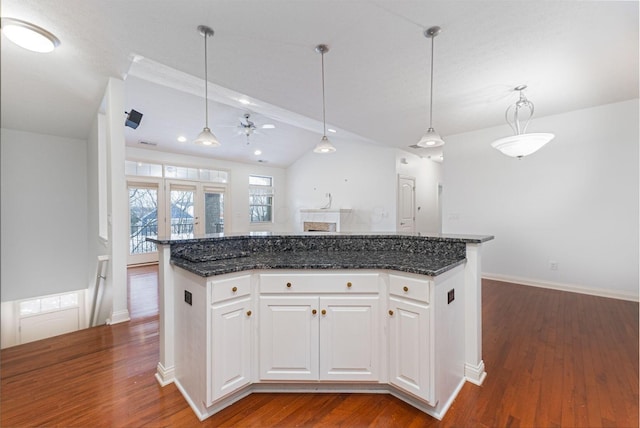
29	36
206	137
324	146
431	138
521	144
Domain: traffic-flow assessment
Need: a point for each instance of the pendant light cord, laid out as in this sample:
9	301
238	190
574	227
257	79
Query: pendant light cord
431	89
206	81
324	122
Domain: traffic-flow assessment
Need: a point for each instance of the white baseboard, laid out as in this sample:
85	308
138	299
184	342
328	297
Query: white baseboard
612	294
475	375
165	375
118	317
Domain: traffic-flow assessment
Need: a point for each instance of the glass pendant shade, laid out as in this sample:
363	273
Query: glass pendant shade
430	139
324	146
206	138
519	146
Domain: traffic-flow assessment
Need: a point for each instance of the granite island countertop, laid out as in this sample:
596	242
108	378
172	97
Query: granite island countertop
212	255
393	260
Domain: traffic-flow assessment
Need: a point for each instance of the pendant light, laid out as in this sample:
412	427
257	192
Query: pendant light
324	146
206	137
521	144
431	138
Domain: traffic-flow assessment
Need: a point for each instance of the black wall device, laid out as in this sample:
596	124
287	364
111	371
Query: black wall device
133	119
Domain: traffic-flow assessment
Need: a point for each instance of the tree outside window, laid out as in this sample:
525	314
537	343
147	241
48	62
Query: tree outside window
260	199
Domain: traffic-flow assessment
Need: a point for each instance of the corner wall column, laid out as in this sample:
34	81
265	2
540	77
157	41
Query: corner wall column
474	366
165	371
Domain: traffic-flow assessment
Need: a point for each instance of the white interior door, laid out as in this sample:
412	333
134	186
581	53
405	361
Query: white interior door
406	204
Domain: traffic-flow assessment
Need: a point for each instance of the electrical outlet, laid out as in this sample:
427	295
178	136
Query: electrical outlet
451	295
188	297
553	265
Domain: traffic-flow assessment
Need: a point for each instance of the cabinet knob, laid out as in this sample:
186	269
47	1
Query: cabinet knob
405	288
349	285
324	312
288	285
234	289
390	312
314	312
248	313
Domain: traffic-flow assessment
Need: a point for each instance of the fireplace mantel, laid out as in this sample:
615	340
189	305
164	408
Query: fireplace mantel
324	220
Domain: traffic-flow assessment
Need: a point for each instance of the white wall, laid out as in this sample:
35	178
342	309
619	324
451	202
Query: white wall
575	202
428	175
238	195
44	214
359	176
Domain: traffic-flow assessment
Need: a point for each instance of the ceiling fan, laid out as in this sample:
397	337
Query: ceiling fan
248	127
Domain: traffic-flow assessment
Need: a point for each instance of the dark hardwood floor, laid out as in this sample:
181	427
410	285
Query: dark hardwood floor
554	359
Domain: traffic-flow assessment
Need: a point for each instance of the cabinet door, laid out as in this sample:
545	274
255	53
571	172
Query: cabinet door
410	359
349	338
230	348
288	338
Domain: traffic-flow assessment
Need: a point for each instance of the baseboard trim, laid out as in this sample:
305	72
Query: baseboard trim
119	316
475	374
562	287
164	375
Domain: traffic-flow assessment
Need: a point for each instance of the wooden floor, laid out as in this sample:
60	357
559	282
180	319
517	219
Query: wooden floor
554	359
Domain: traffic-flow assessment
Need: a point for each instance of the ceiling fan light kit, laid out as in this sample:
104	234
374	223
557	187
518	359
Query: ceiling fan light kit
324	146
206	137
431	138
520	144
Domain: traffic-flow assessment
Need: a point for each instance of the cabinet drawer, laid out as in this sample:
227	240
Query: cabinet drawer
319	283
411	288
229	288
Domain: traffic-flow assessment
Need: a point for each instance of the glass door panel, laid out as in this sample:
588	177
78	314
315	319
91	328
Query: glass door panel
182	212
213	211
143	223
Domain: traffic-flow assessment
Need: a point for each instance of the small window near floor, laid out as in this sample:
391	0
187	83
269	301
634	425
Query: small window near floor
260	199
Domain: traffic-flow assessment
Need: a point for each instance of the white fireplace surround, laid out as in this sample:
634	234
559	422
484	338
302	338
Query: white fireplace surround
324	220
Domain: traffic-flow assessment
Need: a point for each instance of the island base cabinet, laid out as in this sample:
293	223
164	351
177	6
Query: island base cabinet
288	338
349	338
319	338
410	359
231	325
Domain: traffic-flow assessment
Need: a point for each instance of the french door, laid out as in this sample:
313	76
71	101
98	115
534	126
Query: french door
144	199
194	209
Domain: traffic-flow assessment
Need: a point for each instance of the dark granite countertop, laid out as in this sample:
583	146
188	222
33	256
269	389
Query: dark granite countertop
212	255
469	239
393	260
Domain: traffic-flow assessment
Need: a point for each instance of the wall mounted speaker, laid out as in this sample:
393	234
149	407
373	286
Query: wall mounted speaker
133	119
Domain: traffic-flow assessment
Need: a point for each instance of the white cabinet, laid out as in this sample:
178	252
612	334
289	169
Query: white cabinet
308	335
349	338
288	338
230	347
410	339
409	350
230	336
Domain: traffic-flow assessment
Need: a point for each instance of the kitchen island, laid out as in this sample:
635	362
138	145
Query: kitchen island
387	313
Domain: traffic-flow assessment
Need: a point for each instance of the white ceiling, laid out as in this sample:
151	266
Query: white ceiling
572	54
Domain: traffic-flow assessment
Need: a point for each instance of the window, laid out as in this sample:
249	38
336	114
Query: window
260	199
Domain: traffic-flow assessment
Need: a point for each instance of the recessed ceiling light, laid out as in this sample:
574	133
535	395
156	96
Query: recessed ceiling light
29	36
182	139
268	126
257	152
331	130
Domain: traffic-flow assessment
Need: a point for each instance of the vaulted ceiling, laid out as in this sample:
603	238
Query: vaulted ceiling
571	54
